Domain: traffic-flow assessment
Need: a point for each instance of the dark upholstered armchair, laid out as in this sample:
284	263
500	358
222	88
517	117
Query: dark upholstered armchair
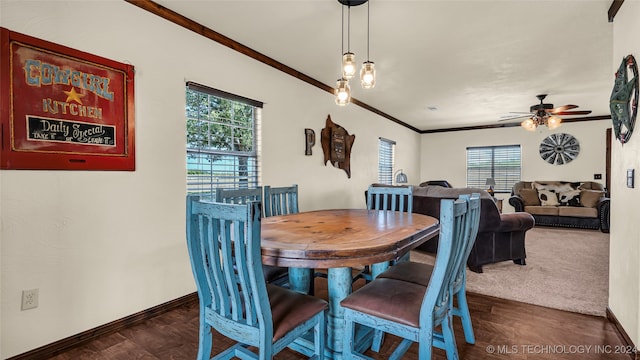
500	236
443	183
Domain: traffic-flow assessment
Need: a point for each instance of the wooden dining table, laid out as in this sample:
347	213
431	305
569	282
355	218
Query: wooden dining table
339	240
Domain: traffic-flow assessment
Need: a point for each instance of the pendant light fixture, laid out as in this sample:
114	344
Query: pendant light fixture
348	63
348	58
343	92
368	71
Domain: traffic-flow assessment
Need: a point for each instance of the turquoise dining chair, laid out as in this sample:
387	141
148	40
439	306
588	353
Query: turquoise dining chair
224	248
277	275
283	201
412	311
280	200
420	273
394	198
238	196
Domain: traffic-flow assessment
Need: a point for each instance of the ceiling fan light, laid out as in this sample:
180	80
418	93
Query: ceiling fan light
343	92
348	65
529	124
554	122
368	75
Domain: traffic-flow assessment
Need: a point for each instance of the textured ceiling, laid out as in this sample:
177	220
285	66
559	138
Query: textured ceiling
440	64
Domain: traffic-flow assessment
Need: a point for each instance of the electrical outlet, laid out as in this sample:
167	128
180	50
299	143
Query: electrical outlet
29	299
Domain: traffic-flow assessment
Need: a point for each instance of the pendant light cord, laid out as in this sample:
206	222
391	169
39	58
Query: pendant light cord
349	29
342	35
368	30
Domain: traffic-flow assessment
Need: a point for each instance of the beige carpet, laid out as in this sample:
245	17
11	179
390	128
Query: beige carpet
566	269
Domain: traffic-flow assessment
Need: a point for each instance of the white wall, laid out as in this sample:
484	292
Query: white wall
624	269
104	245
443	155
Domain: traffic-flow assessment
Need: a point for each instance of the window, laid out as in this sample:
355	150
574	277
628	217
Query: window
386	149
222	140
502	163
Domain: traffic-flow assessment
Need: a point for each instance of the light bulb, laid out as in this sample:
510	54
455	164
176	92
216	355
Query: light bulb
529	124
368	75
348	65
342	92
553	122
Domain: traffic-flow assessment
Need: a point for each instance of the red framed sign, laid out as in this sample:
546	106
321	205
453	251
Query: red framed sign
63	109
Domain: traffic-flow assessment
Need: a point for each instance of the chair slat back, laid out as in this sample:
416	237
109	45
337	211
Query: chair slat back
452	239
390	198
238	196
473	223
224	248
280	200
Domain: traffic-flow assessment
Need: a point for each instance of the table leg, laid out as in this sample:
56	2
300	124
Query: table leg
300	279
378	268
339	286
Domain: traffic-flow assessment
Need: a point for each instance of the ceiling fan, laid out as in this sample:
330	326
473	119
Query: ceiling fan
544	114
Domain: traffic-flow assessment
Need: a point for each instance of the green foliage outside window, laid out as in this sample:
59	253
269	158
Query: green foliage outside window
221	146
214	123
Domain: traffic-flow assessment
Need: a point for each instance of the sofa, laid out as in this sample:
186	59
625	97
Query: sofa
501	237
583	205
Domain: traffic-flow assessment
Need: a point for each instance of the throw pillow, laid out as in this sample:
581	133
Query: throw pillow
590	185
590	198
529	197
569	198
557	186
547	198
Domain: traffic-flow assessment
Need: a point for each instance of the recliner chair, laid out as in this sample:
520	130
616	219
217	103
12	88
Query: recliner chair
501	237
443	183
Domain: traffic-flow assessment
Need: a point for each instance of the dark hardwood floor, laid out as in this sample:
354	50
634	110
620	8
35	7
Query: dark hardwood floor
504	329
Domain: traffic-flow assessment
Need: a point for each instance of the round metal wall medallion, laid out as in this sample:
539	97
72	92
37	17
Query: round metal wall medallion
559	149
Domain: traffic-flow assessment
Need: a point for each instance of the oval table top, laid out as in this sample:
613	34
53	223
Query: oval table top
342	237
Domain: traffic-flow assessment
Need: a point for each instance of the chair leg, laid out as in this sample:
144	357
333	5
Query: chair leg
206	339
425	347
465	316
378	338
449	339
319	336
402	348
347	339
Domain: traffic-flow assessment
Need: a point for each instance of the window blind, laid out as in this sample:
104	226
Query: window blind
386	150
502	163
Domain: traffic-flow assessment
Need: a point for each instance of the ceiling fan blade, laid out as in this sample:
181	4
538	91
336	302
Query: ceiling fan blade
583	112
563	108
510	117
